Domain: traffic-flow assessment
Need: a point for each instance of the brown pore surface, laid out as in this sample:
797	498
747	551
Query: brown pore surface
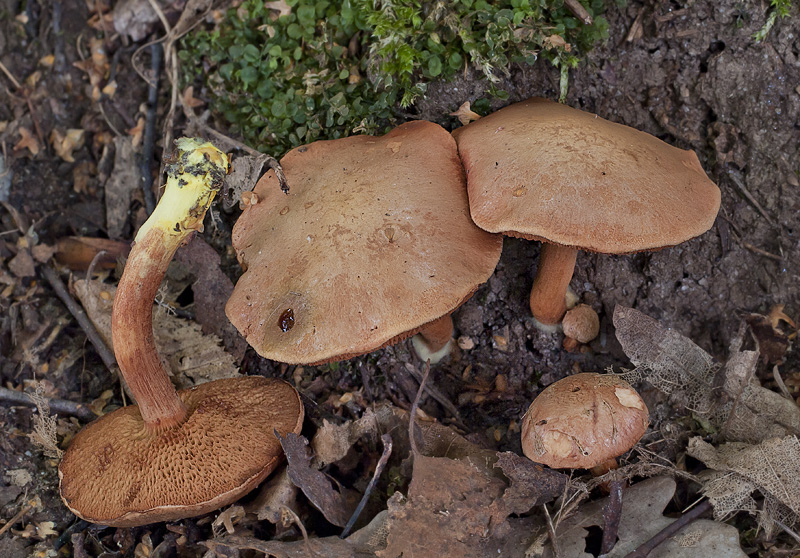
540	169
373	240
118	473
583	420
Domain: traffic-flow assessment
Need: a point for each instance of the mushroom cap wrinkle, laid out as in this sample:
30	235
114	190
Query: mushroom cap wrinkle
582	421
373	240
544	171
117	472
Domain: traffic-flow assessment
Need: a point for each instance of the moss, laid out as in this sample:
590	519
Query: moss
324	69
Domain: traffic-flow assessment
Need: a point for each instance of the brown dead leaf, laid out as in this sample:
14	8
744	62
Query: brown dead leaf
27	141
279	6
531	484
642	518
134	18
78	252
336	504
189	100
772	341
22	264
211	290
771	467
276	493
465	114
65	144
191	357
120	186
137	132
729	398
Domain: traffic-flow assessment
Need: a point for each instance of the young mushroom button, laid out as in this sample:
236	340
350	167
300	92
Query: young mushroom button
583	421
174	454
544	171
372	244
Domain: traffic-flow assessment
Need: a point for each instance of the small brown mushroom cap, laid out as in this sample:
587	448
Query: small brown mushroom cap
582	421
373	240
581	323
544	171
116	472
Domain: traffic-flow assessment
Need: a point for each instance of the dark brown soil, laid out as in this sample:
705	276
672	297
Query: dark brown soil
694	77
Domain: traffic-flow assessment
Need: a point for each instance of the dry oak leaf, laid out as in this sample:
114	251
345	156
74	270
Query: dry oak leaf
465	114
65	144
27	141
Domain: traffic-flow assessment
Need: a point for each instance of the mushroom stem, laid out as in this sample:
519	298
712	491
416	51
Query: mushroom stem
432	342
549	290
194	177
437	333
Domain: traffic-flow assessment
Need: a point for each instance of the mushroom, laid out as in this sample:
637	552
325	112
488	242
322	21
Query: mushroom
174	454
372	244
583	421
544	171
580	324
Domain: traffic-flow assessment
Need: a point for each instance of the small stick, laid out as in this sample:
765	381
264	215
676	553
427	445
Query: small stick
25	509
10	76
80	316
551	531
612	515
387	452
414	406
742	188
149	143
58	406
644	550
440	398
578	11
288	517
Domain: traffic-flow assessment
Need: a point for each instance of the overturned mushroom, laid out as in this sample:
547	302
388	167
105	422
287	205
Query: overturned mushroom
373	243
174	454
544	171
583	421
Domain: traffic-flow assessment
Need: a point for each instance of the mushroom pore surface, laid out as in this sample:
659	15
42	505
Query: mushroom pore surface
582	421
117	472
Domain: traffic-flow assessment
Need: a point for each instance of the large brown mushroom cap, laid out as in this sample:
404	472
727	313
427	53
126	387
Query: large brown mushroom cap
541	170
373	241
118	473
582	421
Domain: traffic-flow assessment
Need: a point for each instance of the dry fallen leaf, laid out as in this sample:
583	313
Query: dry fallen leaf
336	504
65	144
27	141
728	397
465	114
192	357
771	467
641	519
279	6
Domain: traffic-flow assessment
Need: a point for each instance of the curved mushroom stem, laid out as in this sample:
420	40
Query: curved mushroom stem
194	178
432	342
548	294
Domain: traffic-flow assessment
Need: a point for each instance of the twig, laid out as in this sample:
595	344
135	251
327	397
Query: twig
761	252
80	316
25	509
148	145
387	452
414	406
644	550
776	375
578	11
440	398
551	531
743	189
612	515
58	406
10	76
288	517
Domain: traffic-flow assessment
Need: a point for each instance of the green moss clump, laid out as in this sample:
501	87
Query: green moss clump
328	69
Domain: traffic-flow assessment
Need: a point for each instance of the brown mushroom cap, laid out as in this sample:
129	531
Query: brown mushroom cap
544	171
373	241
581	323
118	473
582	421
